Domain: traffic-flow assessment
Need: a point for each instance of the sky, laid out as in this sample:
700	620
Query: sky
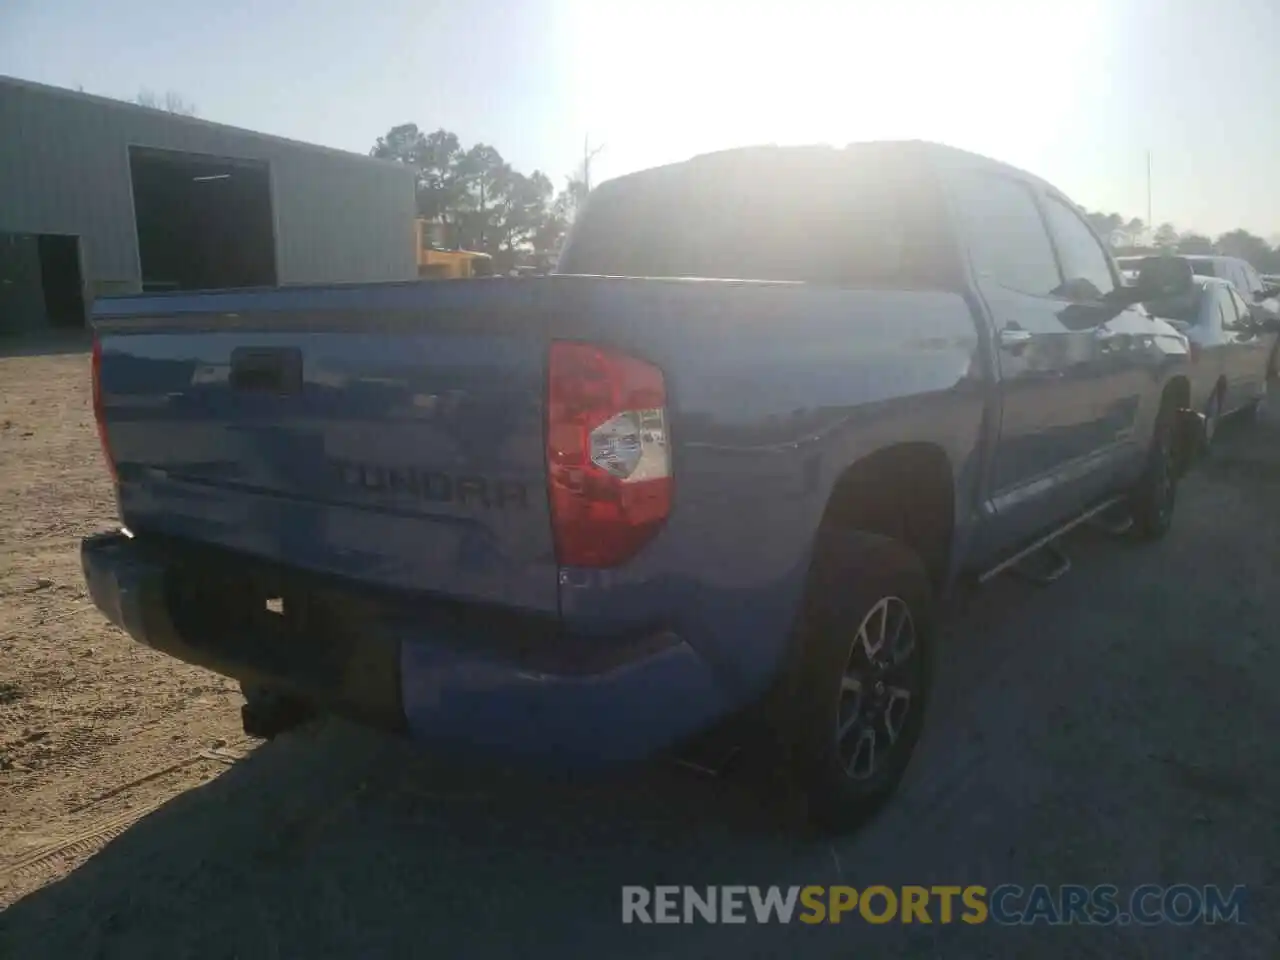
1079	92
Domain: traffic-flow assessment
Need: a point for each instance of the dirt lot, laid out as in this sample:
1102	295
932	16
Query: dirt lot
83	712
1120	727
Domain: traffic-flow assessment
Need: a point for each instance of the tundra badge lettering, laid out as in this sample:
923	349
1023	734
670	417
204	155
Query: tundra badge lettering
432	486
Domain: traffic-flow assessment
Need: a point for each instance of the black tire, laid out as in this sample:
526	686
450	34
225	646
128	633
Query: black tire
1212	418
1152	501
855	579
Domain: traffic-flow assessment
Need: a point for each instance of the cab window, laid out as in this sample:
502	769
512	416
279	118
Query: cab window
1084	261
1008	242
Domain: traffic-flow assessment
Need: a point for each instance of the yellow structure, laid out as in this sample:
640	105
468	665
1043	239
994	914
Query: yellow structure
437	263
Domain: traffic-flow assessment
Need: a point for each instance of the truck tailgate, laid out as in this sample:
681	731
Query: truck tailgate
411	458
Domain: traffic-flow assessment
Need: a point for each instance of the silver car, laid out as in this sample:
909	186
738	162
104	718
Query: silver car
1230	350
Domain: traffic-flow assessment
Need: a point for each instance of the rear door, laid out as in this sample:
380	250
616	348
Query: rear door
1052	422
1213	336
1121	369
1250	350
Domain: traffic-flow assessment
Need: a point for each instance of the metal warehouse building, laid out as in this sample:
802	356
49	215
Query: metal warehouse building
102	197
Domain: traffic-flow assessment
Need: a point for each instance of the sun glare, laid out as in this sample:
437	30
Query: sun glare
662	80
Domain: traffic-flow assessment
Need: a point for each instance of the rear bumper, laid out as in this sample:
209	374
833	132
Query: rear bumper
500	685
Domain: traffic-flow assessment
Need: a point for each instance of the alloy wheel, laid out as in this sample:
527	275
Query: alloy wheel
878	690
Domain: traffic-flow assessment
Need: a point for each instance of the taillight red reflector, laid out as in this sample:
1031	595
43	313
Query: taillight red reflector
99	413
608	453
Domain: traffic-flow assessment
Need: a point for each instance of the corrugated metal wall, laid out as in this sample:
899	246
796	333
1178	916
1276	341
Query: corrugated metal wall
64	168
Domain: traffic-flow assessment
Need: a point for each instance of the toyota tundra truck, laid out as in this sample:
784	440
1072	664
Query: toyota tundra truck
773	404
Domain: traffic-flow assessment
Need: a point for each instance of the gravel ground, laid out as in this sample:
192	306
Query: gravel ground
1118	727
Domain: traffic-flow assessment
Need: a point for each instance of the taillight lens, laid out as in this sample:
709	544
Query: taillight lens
1193	350
99	414
608	454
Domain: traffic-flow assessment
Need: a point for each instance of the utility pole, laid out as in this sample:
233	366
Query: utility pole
1150	224
587	156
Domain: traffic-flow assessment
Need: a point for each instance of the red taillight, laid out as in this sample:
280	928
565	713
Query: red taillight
608	454
1193	350
99	414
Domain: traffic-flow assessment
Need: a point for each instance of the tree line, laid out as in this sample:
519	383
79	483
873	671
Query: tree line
480	201
1134	236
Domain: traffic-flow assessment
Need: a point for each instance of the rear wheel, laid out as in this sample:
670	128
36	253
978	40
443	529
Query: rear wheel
1151	502
866	638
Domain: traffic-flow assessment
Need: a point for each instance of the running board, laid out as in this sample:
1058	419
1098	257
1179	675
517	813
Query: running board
1048	539
1116	528
1061	566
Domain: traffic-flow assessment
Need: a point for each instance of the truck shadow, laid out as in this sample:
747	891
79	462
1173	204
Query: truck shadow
337	841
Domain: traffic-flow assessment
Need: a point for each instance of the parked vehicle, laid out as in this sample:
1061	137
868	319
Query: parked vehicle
1241	275
580	518
1230	350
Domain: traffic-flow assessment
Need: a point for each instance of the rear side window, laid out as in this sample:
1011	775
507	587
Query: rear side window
1083	259
1203	268
819	217
1008	242
1242	308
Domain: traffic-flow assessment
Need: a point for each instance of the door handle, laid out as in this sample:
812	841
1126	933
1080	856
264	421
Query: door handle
1011	338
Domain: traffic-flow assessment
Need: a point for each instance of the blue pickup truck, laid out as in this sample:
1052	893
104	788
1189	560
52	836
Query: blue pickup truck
774	402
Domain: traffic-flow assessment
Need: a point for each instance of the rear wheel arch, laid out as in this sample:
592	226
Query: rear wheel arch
905	492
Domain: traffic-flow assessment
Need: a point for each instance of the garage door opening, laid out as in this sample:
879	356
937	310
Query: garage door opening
41	285
61	280
204	223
